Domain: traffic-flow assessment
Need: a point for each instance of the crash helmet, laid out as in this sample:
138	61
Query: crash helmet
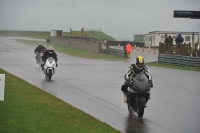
50	49
40	45
139	62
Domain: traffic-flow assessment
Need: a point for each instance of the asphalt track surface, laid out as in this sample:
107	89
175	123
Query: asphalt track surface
94	87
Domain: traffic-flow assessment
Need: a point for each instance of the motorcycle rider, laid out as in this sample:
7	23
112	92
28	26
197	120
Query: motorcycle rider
39	49
49	53
134	69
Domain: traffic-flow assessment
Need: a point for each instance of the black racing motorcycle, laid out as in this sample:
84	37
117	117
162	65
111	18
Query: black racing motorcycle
138	94
39	58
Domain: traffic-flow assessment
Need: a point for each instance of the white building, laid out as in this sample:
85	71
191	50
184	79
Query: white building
153	38
56	33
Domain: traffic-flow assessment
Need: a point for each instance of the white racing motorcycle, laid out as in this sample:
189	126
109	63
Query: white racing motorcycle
49	68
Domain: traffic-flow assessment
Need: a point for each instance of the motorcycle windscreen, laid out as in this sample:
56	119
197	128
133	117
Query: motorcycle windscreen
141	82
50	59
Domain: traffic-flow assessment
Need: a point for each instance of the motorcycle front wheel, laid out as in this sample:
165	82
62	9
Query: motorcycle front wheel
130	102
141	106
50	74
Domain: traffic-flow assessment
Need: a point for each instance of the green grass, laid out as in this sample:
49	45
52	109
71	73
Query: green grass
98	35
28	109
33	34
46	34
172	66
72	51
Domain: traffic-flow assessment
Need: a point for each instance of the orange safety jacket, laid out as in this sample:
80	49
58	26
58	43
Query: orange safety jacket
128	48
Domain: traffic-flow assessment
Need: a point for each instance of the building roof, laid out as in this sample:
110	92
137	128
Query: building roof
174	32
56	30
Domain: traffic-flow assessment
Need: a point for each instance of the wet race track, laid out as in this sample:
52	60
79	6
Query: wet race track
94	87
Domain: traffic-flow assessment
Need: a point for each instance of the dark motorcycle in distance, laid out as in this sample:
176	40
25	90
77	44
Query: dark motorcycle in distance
138	95
39	58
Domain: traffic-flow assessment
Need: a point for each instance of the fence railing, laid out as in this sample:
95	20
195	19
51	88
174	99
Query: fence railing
122	43
179	49
179	60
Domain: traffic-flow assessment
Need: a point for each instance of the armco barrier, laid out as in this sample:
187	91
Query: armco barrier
117	52
122	43
179	60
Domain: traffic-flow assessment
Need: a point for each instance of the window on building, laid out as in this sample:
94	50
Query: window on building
149	38
187	38
153	37
162	38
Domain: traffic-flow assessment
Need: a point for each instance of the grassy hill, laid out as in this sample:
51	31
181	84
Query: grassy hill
33	34
98	35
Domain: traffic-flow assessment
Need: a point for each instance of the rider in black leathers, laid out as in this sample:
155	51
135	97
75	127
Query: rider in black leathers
135	69
39	49
49	53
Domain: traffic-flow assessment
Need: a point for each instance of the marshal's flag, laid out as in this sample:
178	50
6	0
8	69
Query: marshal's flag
71	32
82	31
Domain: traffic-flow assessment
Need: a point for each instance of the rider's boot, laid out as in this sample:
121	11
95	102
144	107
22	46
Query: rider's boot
36	59
125	91
148	96
42	65
125	96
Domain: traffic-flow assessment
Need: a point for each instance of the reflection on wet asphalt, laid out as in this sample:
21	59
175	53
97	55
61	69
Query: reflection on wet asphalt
134	124
94	87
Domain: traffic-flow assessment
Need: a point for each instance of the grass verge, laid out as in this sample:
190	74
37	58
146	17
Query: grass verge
28	109
72	51
172	66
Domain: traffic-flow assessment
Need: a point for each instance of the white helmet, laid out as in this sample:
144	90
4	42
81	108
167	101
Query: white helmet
50	48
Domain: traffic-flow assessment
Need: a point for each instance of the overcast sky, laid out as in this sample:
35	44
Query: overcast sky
118	18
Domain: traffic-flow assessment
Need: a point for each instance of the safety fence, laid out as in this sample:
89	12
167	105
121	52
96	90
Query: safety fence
122	43
179	60
179	49
117	52
81	38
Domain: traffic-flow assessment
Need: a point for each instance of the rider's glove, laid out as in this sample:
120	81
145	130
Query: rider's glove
129	82
150	83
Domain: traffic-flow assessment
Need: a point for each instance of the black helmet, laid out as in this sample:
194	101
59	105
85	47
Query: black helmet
40	45
139	62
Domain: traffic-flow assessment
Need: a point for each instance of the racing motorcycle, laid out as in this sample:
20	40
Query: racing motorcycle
39	58
138	94
49	68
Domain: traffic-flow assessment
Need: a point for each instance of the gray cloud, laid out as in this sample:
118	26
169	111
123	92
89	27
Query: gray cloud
119	18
